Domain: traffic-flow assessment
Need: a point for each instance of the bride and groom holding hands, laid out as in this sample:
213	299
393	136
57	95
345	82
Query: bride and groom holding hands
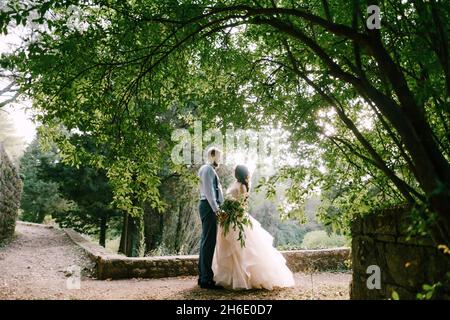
223	261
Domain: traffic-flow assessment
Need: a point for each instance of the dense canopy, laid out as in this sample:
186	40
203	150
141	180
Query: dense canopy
367	110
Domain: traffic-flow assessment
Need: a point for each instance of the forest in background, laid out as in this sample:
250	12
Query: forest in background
80	198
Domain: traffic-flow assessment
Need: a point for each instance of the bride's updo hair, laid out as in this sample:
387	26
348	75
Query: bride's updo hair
241	173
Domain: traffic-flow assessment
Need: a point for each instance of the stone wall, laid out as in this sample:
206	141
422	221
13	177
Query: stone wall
115	266
405	265
10	191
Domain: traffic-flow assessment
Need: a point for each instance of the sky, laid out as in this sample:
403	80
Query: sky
21	118
20	112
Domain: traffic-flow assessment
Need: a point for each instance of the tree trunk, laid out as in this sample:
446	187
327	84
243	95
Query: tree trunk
40	217
431	169
178	231
124	236
153	228
130	238
103	227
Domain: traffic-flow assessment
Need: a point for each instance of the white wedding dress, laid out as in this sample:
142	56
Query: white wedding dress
257	265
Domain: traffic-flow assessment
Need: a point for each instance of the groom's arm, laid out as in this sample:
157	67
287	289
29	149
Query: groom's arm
208	182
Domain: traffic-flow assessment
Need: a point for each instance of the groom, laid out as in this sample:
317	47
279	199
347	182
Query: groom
211	197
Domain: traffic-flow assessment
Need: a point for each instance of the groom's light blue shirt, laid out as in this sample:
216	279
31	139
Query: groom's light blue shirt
207	175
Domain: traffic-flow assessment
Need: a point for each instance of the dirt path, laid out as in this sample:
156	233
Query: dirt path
34	266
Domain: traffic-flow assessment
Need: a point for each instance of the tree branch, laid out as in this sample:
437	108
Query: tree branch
403	187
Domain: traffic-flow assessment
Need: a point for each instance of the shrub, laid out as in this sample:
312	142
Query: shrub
319	239
10	192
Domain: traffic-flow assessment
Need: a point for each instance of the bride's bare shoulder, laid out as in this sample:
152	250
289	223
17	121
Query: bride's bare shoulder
237	190
232	187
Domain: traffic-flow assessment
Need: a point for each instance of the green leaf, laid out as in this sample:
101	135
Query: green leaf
395	295
427	287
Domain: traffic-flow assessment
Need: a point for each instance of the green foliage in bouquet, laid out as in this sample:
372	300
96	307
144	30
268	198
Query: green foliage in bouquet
233	214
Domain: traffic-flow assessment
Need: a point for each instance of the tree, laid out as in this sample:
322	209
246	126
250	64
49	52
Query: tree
296	57
10	192
9	92
77	198
289	228
40	197
88	188
176	229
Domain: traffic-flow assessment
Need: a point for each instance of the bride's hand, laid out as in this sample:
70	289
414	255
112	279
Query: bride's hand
221	215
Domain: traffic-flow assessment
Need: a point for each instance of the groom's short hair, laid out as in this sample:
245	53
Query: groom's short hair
212	153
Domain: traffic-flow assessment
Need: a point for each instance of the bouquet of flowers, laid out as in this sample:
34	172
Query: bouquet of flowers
232	213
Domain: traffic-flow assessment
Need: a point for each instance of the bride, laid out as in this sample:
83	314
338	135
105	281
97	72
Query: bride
258	264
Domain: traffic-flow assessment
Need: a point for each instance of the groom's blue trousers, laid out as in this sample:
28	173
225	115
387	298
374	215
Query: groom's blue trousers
207	242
